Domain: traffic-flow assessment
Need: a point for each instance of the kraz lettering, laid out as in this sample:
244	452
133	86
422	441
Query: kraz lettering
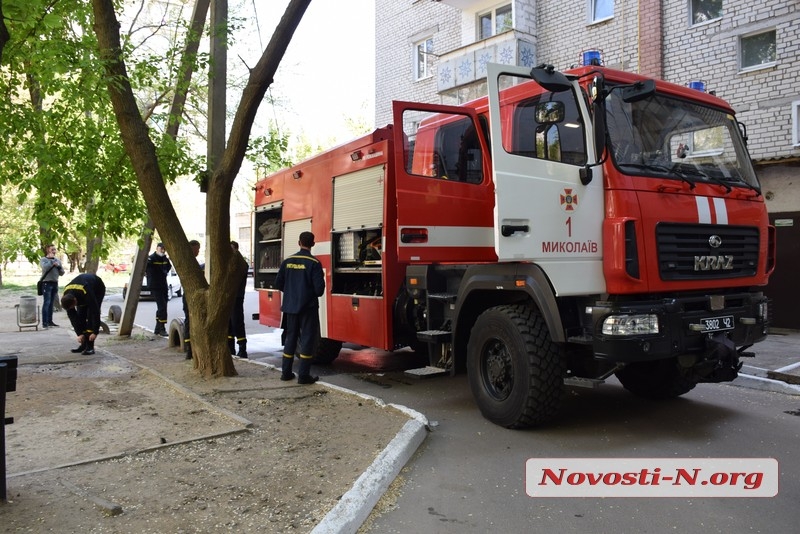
713	263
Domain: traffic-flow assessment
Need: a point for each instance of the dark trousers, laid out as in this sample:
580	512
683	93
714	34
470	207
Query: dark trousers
49	296
302	328
186	338
161	308
85	321
236	330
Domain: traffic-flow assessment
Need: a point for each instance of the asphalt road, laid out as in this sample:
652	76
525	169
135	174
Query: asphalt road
469	475
146	311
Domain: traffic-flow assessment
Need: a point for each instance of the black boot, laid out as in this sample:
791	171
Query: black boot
286	368
304	372
242	349
89	348
81	348
232	346
188	350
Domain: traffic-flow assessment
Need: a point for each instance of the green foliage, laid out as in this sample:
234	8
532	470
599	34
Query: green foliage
63	157
17	231
269	153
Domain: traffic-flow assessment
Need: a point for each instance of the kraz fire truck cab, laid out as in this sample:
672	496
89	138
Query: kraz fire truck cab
568	227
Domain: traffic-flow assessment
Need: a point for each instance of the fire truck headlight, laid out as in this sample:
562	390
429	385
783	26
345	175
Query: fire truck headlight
630	325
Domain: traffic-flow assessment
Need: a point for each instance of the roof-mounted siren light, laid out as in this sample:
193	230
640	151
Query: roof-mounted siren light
592	58
697	85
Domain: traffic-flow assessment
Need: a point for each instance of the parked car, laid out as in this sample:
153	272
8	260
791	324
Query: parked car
116	267
174	288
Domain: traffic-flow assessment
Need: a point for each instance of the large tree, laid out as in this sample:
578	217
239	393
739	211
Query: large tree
210	302
63	150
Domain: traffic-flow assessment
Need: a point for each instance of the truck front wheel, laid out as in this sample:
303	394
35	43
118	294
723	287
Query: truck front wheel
657	380
327	351
515	369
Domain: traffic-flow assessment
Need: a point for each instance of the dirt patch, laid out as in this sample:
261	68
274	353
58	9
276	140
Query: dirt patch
132	439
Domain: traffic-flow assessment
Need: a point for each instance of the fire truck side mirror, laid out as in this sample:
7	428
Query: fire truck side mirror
549	78
586	174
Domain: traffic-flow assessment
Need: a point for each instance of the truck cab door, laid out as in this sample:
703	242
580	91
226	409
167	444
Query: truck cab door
445	195
540	140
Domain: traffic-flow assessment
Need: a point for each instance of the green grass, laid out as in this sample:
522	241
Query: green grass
26	283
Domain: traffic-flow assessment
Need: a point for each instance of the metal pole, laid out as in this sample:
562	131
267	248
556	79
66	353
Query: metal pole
3	432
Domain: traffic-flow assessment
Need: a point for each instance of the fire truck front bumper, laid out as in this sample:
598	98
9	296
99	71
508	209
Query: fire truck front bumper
695	328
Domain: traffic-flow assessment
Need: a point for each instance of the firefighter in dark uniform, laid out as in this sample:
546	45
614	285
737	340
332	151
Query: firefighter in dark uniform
302	282
81	300
158	265
236	330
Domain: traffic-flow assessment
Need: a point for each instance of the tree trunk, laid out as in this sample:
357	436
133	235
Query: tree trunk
210	303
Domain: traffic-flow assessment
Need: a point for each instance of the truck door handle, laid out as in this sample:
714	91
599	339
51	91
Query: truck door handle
510	229
414	235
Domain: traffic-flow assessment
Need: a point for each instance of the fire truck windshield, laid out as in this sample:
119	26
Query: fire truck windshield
667	137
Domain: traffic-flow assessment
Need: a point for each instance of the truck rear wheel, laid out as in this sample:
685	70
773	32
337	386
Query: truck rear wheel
327	351
515	369
657	380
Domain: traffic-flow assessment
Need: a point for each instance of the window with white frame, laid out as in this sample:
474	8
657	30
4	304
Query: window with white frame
600	10
423	59
704	10
796	123
757	50
495	21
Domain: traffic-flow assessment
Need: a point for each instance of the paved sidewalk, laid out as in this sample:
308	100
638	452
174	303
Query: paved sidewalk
776	365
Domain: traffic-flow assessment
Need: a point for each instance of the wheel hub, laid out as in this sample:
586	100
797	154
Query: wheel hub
498	371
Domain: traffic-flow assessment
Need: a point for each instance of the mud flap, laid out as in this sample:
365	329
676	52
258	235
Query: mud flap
721	350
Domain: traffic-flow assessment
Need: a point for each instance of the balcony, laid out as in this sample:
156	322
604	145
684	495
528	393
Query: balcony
467	64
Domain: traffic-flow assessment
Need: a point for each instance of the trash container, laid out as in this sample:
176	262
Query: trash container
27	312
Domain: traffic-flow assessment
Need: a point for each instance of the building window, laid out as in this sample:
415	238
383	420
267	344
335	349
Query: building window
423	59
601	10
705	10
796	123
495	22
757	51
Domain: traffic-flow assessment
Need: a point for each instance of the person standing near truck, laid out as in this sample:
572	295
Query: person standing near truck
302	282
51	270
194	245
236	329
158	266
82	300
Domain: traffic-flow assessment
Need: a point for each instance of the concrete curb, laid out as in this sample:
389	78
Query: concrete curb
765	384
355	506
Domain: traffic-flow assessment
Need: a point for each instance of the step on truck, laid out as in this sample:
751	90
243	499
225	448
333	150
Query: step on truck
568	227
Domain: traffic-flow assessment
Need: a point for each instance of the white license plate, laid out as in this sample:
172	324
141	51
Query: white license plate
717	324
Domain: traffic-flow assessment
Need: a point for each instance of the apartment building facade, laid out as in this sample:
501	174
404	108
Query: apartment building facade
748	53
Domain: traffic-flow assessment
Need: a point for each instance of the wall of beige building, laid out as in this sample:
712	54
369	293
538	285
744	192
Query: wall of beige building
398	25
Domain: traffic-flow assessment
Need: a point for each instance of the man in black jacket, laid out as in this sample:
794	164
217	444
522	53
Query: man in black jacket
302	282
158	266
82	300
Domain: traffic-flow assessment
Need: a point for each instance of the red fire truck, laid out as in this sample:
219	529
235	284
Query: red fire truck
566	228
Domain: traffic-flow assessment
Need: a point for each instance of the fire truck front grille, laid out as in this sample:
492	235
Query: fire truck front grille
706	251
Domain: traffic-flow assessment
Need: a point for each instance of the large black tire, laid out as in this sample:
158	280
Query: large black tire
657	380
327	351
515	369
